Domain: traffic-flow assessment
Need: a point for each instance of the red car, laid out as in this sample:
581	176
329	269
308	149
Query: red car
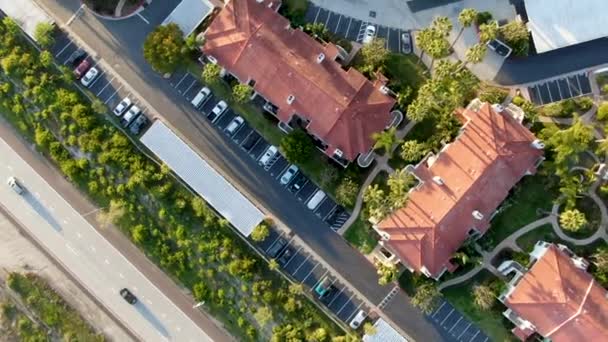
82	68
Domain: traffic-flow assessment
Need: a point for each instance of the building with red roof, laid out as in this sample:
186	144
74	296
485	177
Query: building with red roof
460	188
300	78
556	298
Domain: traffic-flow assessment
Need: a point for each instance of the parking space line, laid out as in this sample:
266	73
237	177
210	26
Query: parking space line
309	273
472	338
579	84
104	87
446	317
292	257
327	20
399	40
65	47
388	36
348	27
191	84
180	81
319	281
245	138
486	339
559	89
284	169
435	313
309	197
290	240
275	241
302	187
338	25
465	329
352	313
317	16
297	269
336	296
343	306
455	324
549	91
95	80
330	212
142	18
114	93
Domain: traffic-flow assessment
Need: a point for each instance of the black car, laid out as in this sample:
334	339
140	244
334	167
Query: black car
76	57
128	296
285	256
276	249
137	125
298	183
329	295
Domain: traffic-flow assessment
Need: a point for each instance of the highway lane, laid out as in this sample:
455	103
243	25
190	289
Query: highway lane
119	45
92	260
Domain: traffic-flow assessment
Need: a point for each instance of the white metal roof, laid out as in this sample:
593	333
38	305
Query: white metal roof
384	333
560	23
189	14
26	13
202	178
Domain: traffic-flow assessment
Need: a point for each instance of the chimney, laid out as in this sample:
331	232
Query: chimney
477	215
438	180
384	90
290	99
320	57
537	144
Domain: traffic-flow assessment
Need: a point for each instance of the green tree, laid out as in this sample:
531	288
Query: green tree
516	35
318	335
43	33
399	184
567	144
403	97
263	315
111	214
466	17
374	55
99	107
483	297
164	48
412	151
433	39
385	140
43	137
426	298
488	31
602	112
260	232
376	202
347	191
386	273
572	220
475	54
211	72
318	30
297	146
242	93
369	329
600	258
46	59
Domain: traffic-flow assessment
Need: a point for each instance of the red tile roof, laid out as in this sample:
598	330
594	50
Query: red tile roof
562	301
254	42
492	153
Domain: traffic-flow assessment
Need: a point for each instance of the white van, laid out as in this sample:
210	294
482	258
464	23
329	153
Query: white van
315	200
200	97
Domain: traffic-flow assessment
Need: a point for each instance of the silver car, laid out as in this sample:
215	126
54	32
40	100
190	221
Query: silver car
122	106
12	182
288	174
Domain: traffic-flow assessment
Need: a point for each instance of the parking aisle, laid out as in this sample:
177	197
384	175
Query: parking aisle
457	327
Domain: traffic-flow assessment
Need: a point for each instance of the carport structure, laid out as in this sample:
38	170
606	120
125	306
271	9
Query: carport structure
202	178
189	14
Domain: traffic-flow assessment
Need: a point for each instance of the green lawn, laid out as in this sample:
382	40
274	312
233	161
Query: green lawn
492	323
542	233
533	193
362	236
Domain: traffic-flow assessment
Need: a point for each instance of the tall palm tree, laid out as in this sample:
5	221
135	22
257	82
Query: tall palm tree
488	31
386	139
474	55
466	19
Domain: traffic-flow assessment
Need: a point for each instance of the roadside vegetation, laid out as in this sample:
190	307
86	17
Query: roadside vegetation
38	313
175	228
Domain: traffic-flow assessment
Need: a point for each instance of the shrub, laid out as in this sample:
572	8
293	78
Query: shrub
516	35
572	220
584	103
242	93
602	112
347	192
483	18
492	95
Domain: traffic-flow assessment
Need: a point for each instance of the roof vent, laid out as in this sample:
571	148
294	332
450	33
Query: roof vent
290	99
438	180
477	215
259	1
384	90
338	153
270	5
537	144
498	108
320	57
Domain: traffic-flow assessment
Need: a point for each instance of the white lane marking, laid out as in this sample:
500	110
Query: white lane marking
317	16
352	313
434	314
65	47
104	87
465	329
113	94
336	296
327	20
318	281
187	89
180	81
293	256
142	18
71	249
348	27
76	14
446	317
343	306
95	80
297	269
472	338
338	24
455	324
309	273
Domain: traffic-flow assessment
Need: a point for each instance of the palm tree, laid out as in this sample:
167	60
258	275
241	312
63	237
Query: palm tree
488	31
483	296
399	183
474	54
385	140
426	298
433	39
572	220
466	19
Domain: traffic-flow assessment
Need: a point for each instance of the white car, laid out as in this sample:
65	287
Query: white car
12	182
234	125
359	318
288	174
217	111
130	116
369	34
122	106
406	42
267	156
89	77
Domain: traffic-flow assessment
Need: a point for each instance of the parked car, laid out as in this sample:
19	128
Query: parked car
14	184
406	42
358	319
89	77
276	249
128	296
315	200
132	113
271	151
122	106
288	174
76	57
323	287
329	295
201	97
137	125
285	256
82	68
217	111
368	34
234	125
297	184
499	47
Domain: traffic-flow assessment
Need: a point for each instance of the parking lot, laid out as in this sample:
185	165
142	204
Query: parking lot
351	28
105	87
303	268
560	89
457	326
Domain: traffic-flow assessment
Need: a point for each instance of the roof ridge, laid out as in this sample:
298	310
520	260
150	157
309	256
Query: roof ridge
578	312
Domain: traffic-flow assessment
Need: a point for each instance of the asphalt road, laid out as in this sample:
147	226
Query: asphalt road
119	45
98	266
